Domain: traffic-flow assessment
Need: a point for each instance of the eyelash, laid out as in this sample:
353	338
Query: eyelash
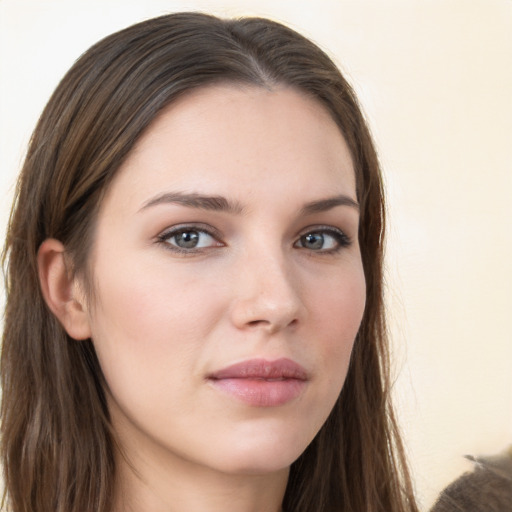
341	239
179	230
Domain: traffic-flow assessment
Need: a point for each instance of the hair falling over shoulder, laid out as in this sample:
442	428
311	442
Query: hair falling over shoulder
57	442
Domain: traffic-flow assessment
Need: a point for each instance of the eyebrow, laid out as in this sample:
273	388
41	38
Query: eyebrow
323	205
221	204
212	203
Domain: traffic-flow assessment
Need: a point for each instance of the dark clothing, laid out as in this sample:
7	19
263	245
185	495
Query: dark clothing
488	488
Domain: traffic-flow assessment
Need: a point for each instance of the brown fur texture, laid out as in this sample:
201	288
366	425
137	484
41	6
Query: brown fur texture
488	488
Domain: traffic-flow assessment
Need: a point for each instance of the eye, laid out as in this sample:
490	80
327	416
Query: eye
189	239
326	240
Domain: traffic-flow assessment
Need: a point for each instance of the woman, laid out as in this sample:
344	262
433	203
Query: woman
194	317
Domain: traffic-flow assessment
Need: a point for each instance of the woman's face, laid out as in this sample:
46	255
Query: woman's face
228	281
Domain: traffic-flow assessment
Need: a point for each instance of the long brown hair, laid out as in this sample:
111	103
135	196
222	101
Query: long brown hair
57	442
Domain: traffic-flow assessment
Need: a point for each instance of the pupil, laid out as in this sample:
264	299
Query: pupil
187	239
314	241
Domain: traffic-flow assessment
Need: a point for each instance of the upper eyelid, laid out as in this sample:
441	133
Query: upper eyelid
193	226
217	234
200	226
316	228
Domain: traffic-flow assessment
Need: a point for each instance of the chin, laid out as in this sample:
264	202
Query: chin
263	452
273	462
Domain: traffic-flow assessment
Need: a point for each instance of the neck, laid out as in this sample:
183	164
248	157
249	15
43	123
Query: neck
176	485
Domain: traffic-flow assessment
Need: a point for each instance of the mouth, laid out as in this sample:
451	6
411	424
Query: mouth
261	383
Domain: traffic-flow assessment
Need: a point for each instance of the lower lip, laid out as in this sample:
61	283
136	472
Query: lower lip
260	392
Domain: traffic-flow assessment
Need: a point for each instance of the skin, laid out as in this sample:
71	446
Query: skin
163	318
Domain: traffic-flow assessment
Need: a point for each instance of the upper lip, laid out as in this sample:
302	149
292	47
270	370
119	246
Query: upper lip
279	369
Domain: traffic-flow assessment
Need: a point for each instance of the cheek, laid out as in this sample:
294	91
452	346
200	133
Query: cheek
338	311
339	306
143	297
148	324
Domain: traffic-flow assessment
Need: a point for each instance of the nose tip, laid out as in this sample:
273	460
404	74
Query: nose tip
270	318
268	300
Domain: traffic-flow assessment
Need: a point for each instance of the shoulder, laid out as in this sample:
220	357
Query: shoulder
488	488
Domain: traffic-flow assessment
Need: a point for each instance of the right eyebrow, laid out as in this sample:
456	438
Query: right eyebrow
202	202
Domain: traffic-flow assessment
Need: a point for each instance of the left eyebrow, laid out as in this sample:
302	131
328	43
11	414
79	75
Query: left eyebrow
323	205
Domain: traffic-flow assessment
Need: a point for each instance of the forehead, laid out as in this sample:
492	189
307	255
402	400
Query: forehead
244	137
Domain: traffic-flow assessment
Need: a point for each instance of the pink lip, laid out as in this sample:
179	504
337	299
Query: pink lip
261	383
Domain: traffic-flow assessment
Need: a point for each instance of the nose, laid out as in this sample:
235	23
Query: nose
267	295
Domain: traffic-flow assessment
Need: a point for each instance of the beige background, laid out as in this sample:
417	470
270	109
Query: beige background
435	79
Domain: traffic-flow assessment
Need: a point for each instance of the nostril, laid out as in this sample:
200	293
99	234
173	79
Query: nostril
256	323
268	323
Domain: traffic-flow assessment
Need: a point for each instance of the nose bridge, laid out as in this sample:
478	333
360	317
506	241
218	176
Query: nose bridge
268	290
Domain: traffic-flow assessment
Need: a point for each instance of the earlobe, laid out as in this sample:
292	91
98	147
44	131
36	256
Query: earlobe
61	290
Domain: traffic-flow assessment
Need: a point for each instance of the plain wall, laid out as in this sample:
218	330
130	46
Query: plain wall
435	79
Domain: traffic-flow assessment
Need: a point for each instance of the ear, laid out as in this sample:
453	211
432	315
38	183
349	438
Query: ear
61	291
